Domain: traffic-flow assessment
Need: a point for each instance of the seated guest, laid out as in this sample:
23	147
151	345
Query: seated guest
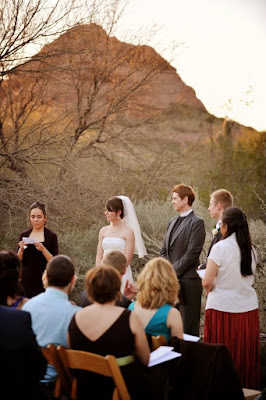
22	364
118	260
16	293
158	290
17	300
51	311
104	328
204	372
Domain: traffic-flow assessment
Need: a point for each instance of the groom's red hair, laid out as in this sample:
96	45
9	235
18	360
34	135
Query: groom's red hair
183	191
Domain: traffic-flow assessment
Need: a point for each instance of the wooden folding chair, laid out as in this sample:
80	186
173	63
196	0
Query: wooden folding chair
158	341
107	366
62	383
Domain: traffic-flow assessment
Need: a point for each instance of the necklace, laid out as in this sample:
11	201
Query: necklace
114	229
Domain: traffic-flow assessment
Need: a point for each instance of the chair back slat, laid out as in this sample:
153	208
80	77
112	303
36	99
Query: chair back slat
106	366
46	351
80	360
62	383
158	341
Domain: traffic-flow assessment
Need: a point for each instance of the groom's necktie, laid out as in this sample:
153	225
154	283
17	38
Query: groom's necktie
176	225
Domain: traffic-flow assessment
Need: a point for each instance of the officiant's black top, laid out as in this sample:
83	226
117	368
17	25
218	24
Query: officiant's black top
34	262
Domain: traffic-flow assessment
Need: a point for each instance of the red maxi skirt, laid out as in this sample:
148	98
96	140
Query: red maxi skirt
240	333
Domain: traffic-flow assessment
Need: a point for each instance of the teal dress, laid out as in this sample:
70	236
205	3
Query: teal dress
157	324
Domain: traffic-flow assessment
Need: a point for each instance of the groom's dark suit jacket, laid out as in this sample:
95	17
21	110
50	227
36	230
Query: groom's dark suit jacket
182	247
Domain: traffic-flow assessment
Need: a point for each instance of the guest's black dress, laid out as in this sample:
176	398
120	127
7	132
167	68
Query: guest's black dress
34	262
118	341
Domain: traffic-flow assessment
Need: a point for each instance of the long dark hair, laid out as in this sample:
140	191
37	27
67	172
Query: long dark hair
236	222
10	266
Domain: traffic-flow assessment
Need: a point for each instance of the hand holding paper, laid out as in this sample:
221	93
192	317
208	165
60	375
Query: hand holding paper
201	272
29	240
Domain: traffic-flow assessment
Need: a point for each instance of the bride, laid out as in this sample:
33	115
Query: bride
123	233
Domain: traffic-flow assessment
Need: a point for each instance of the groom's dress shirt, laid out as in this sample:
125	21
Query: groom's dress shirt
182	246
186	213
218	225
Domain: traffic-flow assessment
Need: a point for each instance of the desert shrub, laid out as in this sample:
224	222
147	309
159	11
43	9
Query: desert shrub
153	215
258	236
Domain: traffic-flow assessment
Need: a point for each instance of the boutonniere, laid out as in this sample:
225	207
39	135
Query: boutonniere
215	232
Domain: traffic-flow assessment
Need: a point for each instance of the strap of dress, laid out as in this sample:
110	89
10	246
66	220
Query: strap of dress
18	301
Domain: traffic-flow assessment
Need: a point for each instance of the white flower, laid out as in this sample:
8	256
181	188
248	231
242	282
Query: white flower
215	232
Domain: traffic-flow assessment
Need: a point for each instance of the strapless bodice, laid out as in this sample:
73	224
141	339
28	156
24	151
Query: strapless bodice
113	243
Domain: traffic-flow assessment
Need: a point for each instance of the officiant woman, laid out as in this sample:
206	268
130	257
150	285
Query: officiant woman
35	255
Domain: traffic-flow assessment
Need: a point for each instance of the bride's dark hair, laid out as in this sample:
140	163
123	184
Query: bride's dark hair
115	204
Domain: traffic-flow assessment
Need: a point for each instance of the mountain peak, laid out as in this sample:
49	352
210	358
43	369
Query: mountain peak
91	47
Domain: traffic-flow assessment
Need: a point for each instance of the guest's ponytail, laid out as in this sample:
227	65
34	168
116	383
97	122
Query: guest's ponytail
236	222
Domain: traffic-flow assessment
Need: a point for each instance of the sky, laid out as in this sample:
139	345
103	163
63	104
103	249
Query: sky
218	47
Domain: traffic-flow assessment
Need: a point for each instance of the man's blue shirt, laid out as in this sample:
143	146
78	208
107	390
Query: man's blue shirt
51	313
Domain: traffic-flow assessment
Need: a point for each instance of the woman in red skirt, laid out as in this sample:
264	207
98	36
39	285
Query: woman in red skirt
232	316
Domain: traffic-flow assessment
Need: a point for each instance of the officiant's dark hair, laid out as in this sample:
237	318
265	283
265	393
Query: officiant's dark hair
115	204
183	191
40	205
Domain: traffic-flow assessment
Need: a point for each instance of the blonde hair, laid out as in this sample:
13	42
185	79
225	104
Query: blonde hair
116	259
158	284
224	197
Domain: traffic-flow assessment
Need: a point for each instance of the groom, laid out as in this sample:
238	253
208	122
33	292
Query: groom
182	246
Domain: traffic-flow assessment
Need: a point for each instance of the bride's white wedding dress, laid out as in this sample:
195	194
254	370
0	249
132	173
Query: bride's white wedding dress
114	243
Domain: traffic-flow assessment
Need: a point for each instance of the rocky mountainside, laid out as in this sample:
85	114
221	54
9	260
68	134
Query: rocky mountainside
87	57
92	83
